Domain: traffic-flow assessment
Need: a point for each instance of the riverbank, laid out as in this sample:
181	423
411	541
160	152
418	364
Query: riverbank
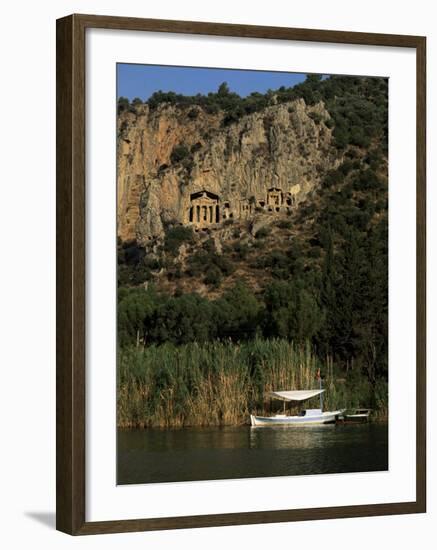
221	383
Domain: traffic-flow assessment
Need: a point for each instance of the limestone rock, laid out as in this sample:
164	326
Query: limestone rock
267	162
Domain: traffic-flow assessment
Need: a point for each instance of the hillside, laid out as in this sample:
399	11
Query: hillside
277	200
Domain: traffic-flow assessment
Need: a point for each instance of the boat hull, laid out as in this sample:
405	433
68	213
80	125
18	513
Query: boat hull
356	418
328	417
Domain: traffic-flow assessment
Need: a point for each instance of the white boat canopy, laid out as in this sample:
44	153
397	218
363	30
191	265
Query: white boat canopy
295	395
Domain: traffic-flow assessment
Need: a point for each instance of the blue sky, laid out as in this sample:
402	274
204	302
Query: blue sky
142	80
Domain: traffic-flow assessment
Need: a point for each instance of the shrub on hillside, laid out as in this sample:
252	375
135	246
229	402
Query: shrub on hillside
179	153
175	236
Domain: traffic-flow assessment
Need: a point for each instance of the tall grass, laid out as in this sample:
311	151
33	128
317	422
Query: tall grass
221	383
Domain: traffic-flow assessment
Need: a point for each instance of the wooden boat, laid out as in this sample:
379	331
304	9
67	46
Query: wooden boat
356	415
306	416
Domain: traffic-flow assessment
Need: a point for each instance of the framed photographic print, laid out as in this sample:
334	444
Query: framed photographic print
240	274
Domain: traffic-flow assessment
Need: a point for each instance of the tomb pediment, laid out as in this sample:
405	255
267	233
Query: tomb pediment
204	194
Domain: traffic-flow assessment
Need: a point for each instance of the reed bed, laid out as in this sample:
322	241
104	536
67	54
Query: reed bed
221	383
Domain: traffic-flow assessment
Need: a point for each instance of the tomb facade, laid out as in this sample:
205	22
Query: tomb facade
203	210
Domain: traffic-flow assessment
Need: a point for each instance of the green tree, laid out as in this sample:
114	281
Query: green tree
183	319
223	89
122	104
291	311
238	313
176	236
135	314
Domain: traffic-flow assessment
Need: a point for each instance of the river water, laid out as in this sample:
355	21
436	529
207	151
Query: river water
188	454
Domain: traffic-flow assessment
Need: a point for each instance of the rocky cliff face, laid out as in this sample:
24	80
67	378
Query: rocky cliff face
185	166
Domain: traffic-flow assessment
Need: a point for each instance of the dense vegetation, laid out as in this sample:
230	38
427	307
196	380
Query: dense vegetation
324	295
220	383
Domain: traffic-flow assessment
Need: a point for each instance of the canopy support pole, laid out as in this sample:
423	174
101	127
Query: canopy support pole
321	395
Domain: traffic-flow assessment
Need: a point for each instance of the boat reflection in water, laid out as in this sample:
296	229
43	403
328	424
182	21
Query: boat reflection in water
292	437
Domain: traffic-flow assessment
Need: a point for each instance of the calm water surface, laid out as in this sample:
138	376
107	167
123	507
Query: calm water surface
148	456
